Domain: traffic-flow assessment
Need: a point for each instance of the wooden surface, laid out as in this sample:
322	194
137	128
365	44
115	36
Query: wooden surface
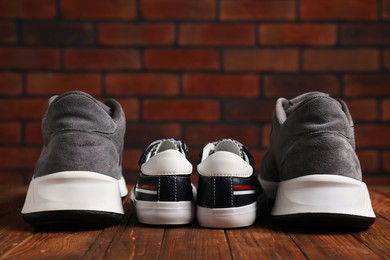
131	240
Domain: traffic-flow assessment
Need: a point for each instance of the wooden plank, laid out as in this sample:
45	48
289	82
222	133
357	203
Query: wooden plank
58	242
13	231
377	237
264	241
385	190
55	243
333	246
135	241
193	242
101	245
342	245
381	204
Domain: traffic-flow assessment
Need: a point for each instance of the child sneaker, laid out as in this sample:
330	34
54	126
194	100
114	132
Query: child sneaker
78	176
311	168
164	194
228	191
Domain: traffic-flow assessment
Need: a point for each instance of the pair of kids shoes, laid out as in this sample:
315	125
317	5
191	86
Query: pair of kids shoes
228	189
311	170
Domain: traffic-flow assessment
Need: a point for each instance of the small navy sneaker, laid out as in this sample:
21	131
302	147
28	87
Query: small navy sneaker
164	194
229	194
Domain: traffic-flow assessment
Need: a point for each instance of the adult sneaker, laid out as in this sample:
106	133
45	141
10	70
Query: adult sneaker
228	191
311	168
164	194
78	176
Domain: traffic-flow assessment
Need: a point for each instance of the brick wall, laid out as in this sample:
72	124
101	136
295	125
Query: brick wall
197	70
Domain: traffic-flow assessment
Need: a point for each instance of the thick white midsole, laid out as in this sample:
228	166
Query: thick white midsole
332	194
164	212
227	217
75	190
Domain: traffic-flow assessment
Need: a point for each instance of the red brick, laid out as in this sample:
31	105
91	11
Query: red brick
261	60
98	9
203	134
142	84
56	83
249	111
250	10
363	109
386	110
33	133
141	135
369	160
340	60
266	135
130	108
367	85
102	59
195	59
221	85
11	84
365	34
386	9
29	58
8	32
387	59
131	176
181	110
130	159
136	34
338	10
10	133
178	9
19	157
11	178
217	34
26	9
291	86
386	160
22	108
374	135
258	155
58	33
298	34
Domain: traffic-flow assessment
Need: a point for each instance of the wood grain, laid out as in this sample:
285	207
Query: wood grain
261	240
193	242
132	240
381	204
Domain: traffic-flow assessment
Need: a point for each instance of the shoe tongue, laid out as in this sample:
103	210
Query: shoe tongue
228	146
290	106
166	145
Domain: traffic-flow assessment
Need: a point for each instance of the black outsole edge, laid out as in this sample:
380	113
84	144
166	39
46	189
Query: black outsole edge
73	217
324	220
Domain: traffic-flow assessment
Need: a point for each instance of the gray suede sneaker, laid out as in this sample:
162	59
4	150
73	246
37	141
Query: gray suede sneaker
78	177
311	168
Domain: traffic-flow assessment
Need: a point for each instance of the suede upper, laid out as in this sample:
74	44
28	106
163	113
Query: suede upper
311	134
82	134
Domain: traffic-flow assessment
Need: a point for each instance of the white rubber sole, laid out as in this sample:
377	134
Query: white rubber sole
163	212
75	191
329	194
227	217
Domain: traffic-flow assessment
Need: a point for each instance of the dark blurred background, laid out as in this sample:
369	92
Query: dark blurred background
197	70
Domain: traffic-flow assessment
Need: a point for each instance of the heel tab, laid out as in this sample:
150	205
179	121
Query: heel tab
224	164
